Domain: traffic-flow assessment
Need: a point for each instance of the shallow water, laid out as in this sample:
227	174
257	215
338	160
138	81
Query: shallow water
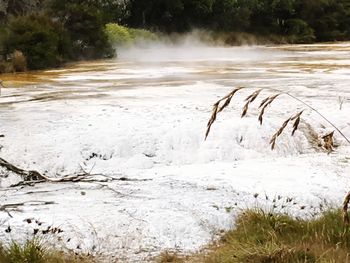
143	117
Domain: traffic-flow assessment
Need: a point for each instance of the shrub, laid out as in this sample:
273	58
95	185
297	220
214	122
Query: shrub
43	42
122	36
118	35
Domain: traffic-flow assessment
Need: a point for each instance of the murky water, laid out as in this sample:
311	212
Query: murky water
143	117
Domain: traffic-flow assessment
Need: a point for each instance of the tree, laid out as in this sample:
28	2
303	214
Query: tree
85	21
43	42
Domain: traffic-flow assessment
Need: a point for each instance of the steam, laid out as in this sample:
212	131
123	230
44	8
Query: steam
195	46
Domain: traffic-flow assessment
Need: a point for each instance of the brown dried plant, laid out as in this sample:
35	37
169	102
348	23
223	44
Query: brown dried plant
328	139
263	106
296	120
249	100
217	109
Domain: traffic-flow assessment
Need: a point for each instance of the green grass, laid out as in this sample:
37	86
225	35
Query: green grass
263	237
34	251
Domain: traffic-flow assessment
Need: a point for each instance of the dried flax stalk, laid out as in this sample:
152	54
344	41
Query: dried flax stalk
264	104
296	123
228	98
295	118
250	99
278	133
212	118
217	109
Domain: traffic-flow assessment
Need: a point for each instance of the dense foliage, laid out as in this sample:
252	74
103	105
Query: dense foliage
43	46
49	32
304	21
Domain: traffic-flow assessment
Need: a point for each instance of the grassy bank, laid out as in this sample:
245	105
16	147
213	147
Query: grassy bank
34	251
262	237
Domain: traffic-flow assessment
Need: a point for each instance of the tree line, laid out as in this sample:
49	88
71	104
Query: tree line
50	32
306	21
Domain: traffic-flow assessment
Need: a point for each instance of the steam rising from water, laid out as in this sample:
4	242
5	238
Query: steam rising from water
191	47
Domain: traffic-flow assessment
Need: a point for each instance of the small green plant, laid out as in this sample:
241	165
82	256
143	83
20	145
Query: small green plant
35	251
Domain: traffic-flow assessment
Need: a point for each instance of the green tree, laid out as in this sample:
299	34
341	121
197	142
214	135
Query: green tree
43	42
232	15
85	21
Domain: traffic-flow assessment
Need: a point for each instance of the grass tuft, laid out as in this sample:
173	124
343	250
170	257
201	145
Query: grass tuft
264	237
34	251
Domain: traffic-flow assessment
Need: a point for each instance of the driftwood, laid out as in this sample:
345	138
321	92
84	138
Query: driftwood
31	177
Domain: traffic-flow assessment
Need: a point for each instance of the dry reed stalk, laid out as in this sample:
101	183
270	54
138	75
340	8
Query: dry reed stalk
295	118
278	133
217	109
264	104
345	210
296	123
250	99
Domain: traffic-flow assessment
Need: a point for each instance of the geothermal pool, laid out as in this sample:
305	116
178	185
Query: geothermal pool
138	122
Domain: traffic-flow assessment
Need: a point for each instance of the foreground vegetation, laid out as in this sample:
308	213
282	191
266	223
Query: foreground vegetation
263	237
258	237
34	251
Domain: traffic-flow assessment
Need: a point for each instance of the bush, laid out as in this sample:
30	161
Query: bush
43	42
118	35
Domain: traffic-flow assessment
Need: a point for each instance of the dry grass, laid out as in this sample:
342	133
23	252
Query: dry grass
220	105
328	140
264	237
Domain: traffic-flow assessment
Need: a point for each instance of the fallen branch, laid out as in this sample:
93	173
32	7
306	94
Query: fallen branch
32	177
